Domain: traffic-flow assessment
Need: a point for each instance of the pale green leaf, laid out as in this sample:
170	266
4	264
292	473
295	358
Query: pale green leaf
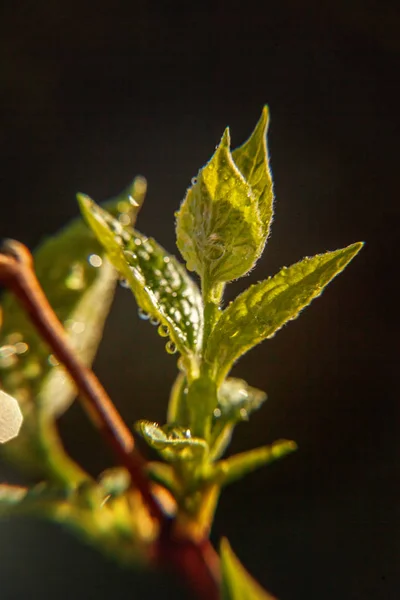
237	583
252	161
162	288
265	307
172	443
236	401
237	466
218	225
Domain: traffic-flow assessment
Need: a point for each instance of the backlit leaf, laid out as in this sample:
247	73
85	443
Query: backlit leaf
162	288
252	161
172	443
218	225
264	308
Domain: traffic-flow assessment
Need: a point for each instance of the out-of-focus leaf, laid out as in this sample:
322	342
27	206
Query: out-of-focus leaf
237	583
236	401
163	290
237	466
10	417
119	525
252	161
79	283
264	308
172	443
218	226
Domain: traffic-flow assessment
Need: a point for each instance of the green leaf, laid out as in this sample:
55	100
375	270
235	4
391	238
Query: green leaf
79	283
172	443
237	583
236	401
162	288
10	417
252	161
264	308
237	466
218	225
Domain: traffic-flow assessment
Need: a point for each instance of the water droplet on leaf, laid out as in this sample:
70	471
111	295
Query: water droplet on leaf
143	315
154	321
95	260
170	347
163	331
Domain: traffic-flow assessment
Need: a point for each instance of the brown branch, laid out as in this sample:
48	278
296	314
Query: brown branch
17	272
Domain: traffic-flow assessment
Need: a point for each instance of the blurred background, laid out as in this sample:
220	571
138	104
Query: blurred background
95	93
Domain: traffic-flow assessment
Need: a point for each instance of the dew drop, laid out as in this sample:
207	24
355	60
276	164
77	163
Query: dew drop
75	280
7	356
163	282
21	347
52	360
170	347
163	331
123	283
14	338
243	414
133	201
217	413
143	315
95	260
138	241
166	259
144	255
188	434
154	321
174	294
124	219
194	180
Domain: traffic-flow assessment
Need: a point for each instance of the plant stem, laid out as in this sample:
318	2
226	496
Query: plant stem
17	272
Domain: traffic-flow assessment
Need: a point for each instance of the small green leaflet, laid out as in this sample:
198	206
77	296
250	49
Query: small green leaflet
237	466
252	161
218	226
172	443
162	287
265	307
237	583
236	401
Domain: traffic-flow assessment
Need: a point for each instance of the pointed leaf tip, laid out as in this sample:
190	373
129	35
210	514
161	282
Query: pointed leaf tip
237	583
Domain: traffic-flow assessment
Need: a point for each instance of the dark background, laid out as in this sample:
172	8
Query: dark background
94	93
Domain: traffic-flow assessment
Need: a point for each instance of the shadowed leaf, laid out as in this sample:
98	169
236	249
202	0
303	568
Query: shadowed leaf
237	583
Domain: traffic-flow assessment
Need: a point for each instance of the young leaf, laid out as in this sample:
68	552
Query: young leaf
265	307
10	417
236	401
162	288
252	161
172	443
237	466
218	225
237	583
